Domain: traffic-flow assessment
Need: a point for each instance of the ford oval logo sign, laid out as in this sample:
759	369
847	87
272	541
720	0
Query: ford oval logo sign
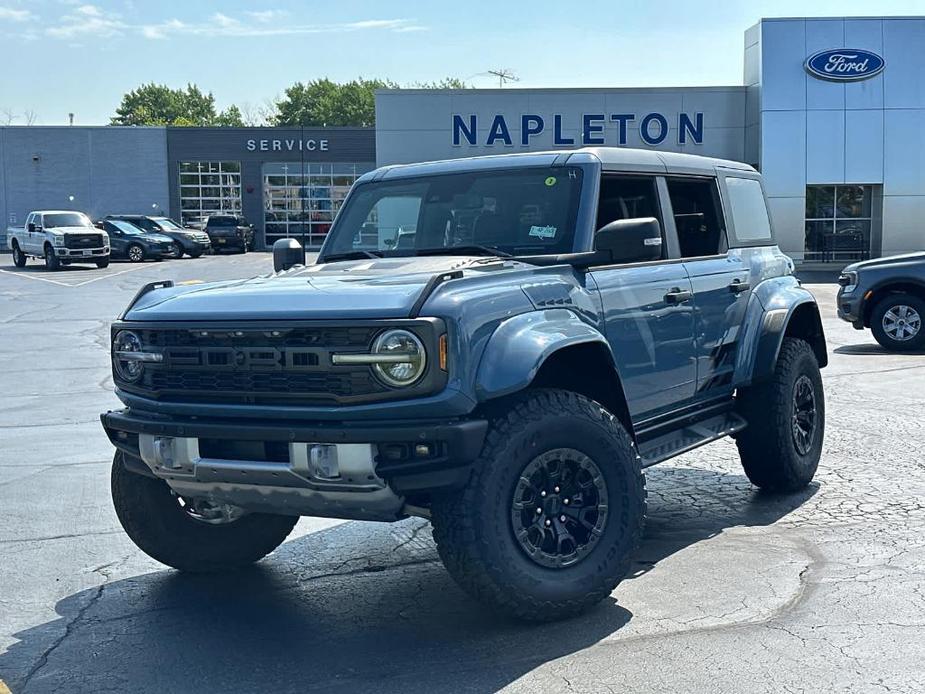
844	64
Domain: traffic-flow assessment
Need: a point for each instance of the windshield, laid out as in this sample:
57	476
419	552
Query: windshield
517	212
126	227
167	223
65	219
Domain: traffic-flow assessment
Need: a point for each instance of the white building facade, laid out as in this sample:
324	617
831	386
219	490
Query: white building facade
832	111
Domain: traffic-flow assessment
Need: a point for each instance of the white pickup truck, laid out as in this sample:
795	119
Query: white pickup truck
59	237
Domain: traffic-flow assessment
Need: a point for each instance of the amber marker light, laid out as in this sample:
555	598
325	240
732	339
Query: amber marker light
442	352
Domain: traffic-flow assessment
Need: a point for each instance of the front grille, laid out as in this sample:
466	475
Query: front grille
83	240
281	364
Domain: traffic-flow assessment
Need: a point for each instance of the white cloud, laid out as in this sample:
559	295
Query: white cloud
266	16
87	20
13	15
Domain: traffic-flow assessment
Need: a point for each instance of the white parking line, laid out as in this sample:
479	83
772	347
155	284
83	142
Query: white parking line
75	285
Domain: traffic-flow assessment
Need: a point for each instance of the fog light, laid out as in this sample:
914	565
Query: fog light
323	461
423	450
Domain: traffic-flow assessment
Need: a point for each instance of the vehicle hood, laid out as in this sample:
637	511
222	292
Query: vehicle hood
904	259
375	288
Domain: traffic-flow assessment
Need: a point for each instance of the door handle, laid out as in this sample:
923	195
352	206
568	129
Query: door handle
738	286
678	296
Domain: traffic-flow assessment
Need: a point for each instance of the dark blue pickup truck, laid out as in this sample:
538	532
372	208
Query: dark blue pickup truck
499	344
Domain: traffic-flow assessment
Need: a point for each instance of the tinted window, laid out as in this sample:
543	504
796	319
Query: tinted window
523	211
65	219
749	212
697	217
168	224
125	227
223	221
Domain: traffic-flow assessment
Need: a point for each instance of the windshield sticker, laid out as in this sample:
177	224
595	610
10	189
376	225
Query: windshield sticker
551	181
543	232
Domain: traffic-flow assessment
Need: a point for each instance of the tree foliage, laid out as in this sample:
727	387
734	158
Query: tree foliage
158	104
322	102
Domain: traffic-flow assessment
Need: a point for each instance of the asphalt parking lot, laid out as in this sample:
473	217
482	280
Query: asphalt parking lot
732	590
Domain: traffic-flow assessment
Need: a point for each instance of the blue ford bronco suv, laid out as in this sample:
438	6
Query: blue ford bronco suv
498	344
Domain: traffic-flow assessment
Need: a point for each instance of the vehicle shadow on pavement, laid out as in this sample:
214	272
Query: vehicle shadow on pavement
355	607
867	348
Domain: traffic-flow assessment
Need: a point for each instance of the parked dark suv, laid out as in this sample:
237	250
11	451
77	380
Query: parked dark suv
191	242
134	244
230	232
886	295
557	322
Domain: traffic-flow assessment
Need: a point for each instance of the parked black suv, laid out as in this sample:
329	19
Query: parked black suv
231	232
133	243
185	241
886	295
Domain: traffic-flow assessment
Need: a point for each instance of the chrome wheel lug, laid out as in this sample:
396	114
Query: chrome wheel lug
565	501
539	510
543	493
548	523
556	490
562	518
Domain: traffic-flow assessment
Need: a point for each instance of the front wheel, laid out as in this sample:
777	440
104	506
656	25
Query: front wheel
896	322
189	534
101	264
52	262
176	251
781	446
552	512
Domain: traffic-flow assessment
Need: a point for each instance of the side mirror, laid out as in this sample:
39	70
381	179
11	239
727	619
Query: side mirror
631	240
287	253
31	228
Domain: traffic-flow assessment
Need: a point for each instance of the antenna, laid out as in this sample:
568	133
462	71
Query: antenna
504	76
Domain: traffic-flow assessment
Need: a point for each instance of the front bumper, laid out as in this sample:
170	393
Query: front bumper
209	463
850	307
75	253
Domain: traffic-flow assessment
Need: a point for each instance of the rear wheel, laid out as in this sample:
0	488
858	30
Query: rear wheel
552	512
135	253
781	446
19	258
191	534
52	262
896	322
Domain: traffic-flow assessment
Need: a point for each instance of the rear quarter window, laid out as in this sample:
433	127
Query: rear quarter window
751	225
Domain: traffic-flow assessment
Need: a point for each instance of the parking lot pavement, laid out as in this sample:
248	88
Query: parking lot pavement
732	590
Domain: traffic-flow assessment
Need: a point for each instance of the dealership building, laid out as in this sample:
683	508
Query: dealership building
831	111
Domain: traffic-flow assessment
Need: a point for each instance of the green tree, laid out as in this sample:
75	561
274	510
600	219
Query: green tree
158	104
322	102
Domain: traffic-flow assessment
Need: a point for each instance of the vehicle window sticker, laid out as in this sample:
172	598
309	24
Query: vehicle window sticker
546	232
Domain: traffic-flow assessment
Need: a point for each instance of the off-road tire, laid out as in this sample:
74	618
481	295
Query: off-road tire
153	518
767	446
52	262
19	258
474	531
102	264
912	344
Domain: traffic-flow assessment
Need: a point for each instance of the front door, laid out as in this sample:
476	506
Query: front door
647	309
719	281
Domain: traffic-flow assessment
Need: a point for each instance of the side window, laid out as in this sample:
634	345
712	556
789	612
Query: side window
751	226
627	197
697	216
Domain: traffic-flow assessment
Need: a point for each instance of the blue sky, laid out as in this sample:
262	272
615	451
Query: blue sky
63	56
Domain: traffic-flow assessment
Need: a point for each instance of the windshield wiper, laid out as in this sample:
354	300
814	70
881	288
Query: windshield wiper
351	255
464	250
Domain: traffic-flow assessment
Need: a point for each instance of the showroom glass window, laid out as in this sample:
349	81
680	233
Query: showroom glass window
299	200
209	187
838	220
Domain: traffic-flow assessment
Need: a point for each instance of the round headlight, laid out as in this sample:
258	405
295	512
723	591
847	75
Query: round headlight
126	369
407	358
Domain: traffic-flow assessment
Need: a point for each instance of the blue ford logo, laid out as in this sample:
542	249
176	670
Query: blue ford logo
844	64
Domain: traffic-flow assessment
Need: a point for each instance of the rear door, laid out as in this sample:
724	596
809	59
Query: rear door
719	280
646	306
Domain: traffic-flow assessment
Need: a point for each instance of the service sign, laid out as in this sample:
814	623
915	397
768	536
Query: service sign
844	64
